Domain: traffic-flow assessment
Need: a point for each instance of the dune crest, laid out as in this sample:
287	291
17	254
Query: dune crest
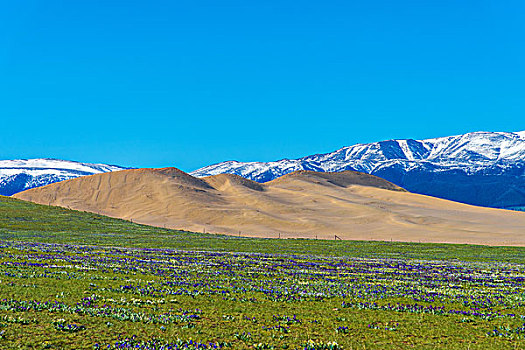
303	204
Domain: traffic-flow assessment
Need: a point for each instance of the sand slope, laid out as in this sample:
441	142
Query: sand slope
304	204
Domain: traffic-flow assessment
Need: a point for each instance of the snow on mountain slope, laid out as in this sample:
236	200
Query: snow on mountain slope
482	168
22	174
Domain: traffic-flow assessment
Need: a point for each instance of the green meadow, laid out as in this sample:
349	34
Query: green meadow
75	280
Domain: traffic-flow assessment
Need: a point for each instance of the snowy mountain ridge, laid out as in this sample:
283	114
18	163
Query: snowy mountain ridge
472	158
22	174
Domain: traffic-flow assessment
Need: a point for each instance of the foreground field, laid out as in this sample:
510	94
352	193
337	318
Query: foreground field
74	280
66	296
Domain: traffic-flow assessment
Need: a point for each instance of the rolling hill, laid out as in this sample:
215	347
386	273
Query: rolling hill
303	204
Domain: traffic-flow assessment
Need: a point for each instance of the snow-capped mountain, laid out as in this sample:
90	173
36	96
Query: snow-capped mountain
481	168
22	174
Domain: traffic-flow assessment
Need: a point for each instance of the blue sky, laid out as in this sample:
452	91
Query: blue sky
190	83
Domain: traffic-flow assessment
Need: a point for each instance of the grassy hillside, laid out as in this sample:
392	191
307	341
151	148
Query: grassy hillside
20	220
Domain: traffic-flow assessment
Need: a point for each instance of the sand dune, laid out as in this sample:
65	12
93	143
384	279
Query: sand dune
303	204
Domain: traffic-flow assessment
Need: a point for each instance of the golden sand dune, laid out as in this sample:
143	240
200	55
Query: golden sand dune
303	204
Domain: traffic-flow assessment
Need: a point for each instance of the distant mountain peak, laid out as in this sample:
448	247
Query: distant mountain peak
22	174
482	168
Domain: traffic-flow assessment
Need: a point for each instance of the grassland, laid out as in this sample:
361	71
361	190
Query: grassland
78	280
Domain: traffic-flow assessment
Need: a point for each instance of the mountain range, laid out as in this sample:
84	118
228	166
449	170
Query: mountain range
479	168
22	174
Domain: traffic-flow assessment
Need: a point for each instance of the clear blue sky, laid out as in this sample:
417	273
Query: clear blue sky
189	83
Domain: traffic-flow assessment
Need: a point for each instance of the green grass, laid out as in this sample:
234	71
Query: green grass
112	294
70	280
